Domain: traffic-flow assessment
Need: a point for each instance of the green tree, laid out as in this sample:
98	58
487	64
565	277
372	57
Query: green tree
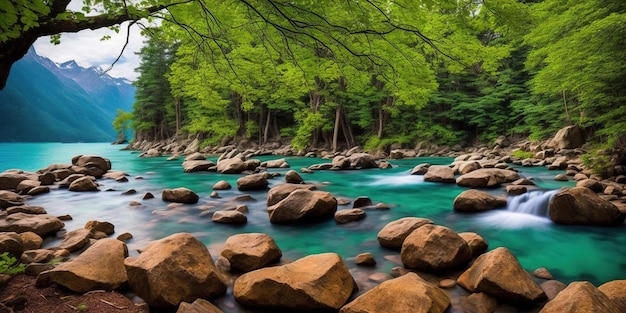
578	57
121	124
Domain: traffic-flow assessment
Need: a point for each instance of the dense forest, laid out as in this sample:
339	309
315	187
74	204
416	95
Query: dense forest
337	74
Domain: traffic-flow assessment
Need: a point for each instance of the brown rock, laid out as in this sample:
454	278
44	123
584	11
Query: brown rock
27	185
582	206
298	285
487	177
591	184
365	259
180	195
420	169
393	234
11	242
75	240
40	224
252	182
251	251
479	303
85	183
616	291
38	190
197	166
222	185
198	306
440	174
174	269
477	244
570	137
280	192
516	189
37	256
552	288
229	217
280	163
499	274
31	241
362	161
473	200
28	209
581	297
92	161
434	248
407	293
303	206
10	180
231	166
361	202
104	227
101	266
349	215
9	199
543	273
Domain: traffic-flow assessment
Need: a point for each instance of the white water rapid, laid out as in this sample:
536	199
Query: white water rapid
534	202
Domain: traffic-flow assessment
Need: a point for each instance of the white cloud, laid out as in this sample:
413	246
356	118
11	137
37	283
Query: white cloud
88	50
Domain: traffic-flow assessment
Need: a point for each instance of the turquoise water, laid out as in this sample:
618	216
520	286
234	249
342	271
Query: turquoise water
569	252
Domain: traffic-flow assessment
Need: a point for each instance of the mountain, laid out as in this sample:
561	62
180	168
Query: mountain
45	102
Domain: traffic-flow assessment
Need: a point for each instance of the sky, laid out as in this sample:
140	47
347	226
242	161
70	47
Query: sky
86	48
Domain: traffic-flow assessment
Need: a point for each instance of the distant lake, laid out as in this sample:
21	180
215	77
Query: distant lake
569	252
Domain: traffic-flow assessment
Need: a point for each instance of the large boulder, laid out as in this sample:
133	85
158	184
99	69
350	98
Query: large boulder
280	163
434	248
582	206
393	234
85	183
362	161
252	182
92	161
11	242
616	291
9	199
251	251
197	165
303	206
180	195
581	297
499	274
40	224
231	166
407	293
280	192
292	177
487	177
570	137
440	174
101	266
473	200
316	283
174	269
10	180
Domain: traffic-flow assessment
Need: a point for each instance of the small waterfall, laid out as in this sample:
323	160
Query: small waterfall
536	202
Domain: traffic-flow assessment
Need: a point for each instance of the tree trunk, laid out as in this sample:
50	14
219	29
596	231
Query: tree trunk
337	126
267	126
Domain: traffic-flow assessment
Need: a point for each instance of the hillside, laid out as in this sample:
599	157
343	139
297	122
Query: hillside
43	102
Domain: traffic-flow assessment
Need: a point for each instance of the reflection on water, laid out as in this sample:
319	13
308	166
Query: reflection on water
569	252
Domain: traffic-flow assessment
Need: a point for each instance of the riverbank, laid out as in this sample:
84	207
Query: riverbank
363	276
